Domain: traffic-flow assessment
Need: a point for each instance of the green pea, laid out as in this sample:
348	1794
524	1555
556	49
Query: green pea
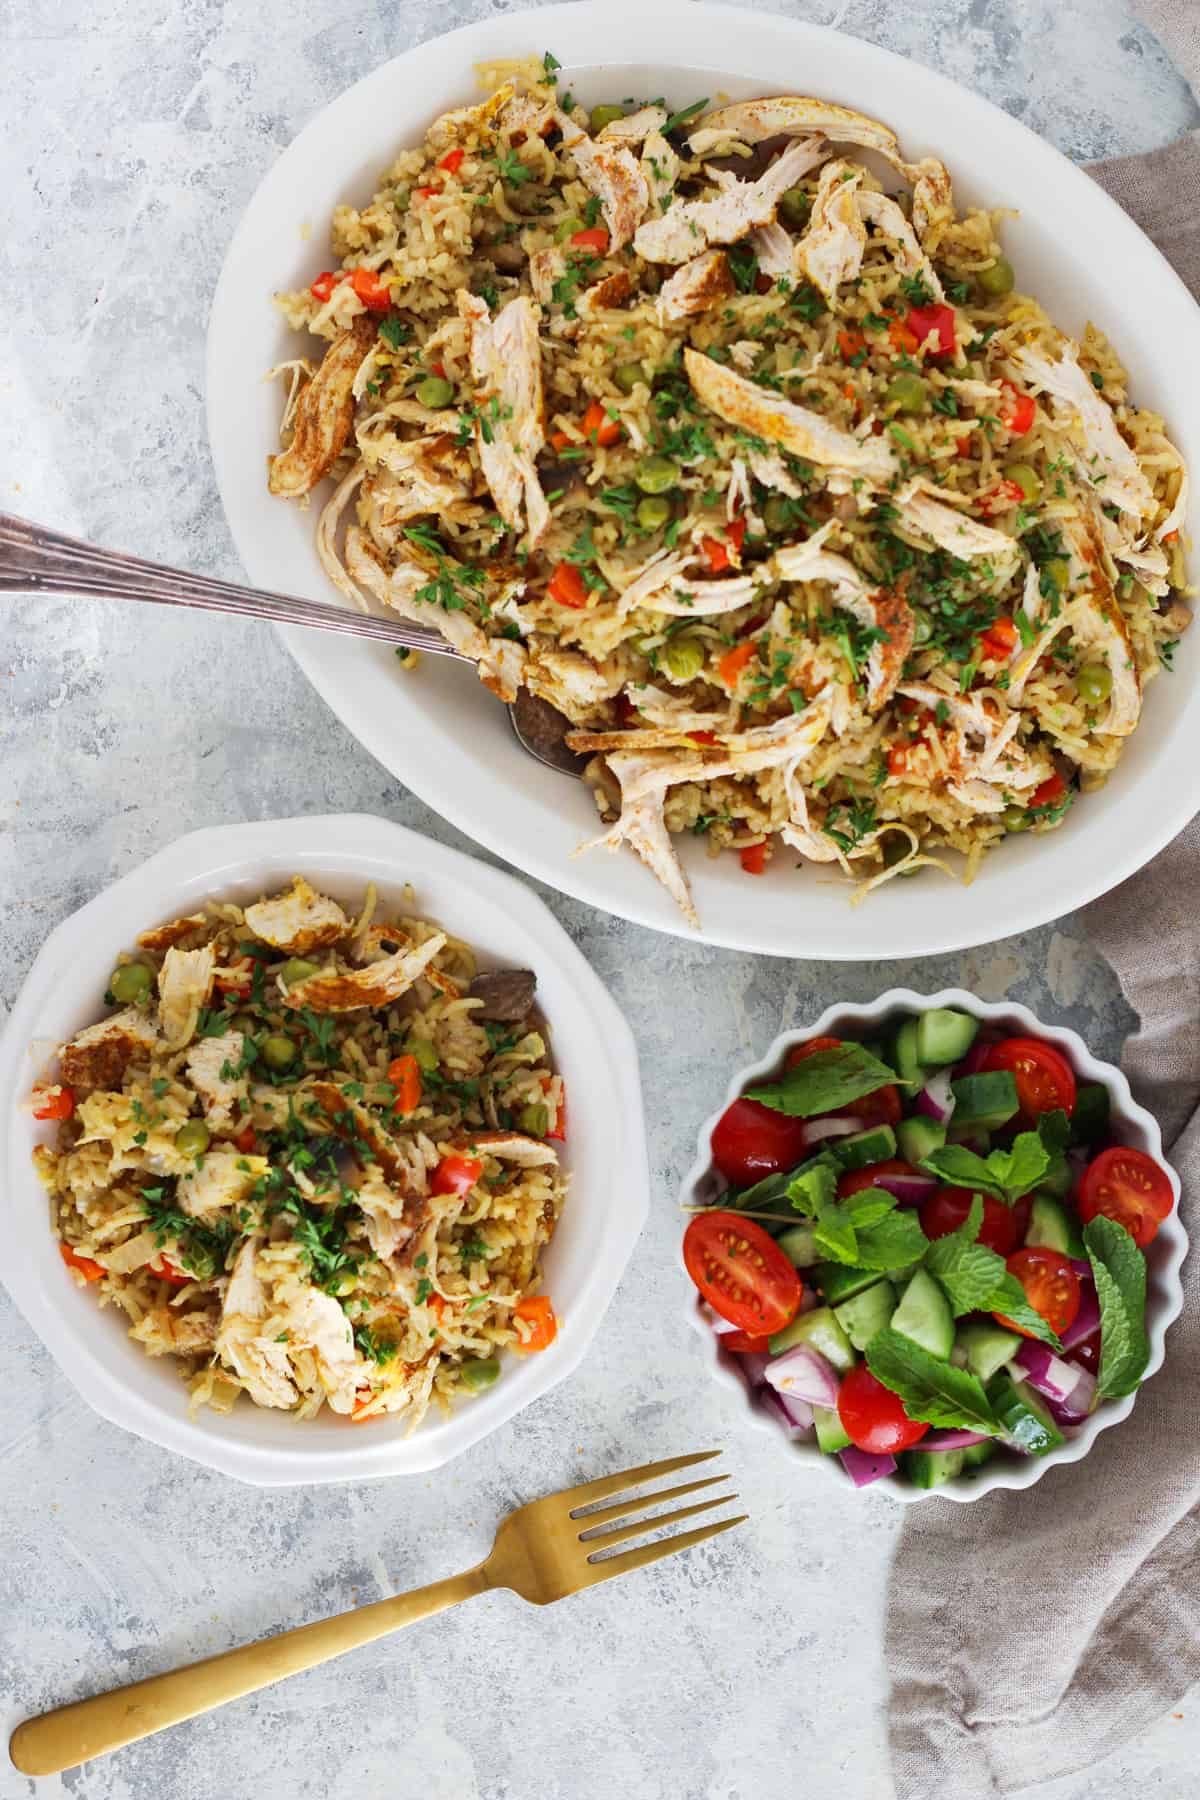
653	513
1094	682
277	1051
131	983
997	278
1015	818
481	1372
906	394
628	375
922	625
655	474
192	1138
567	228
244	1022
435	391
683	657
534	1119
895	848
1026	478
600	116
1059	571
777	514
297	969
794	207
423	1050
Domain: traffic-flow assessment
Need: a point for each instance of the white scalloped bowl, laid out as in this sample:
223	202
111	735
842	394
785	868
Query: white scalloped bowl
605	1157
1164	1293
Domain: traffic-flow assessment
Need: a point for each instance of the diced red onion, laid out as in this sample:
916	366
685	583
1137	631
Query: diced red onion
935	1099
1082	1267
752	1364
974	1060
818	1131
1086	1322
1082	1397
863	1468
722	1327
1065	1383
809	1300
1079	1156
951	1440
1068	1423
797	1415
909	1190
803	1374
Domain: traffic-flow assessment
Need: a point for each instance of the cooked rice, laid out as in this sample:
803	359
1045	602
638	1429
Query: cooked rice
320	1263
885	781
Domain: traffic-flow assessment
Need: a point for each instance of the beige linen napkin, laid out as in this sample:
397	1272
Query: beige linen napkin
1029	1634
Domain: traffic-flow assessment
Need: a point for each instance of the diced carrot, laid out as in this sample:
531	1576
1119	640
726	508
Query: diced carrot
902	337
424	192
717	553
999	640
707	738
57	1102
236	977
599	427
246	1140
754	859
375	295
452	161
733	662
438	368
1002	498
594	239
567	586
1171	537
560	439
83	1265
763	283
404	1073
735	531
964	444
898	760
850	343
166	1270
538	1314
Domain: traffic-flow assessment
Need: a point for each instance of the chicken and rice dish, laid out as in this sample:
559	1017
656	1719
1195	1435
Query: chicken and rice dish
724	432
311	1156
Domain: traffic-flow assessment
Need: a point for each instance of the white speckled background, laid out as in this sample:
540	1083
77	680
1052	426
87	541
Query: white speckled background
134	133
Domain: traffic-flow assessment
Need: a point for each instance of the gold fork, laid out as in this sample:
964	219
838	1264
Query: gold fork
545	1551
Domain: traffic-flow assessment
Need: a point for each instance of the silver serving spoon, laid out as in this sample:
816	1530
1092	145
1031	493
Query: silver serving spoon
34	560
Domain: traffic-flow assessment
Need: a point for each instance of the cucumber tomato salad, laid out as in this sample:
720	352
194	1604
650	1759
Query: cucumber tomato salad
932	1248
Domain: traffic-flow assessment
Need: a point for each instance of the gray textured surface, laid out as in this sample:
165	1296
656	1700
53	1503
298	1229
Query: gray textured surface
135	131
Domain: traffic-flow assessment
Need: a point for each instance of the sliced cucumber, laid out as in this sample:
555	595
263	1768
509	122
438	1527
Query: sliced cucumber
820	1330
799	1245
931	1468
866	1313
986	1101
919	1137
832	1435
1057	1179
905	1060
975	1455
1052	1225
944	1036
1090	1119
876	1144
838	1281
1027	1425
987	1347
924	1315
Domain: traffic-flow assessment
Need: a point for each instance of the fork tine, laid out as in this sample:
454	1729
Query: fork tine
593	1572
608	1540
605	1515
616	1484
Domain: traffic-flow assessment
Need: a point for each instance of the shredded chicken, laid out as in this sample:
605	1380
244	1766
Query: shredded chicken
324	414
298	920
506	364
689	226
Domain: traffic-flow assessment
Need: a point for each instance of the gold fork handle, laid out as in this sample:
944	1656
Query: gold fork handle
86	1728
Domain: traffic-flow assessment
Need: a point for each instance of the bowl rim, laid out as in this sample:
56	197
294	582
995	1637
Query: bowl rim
345	847
1172	1236
725	38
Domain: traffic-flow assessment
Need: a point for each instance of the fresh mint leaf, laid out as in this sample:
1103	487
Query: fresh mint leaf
1005	1174
930	1390
835	1236
975	1279
812	1188
1054	1129
868	1207
895	1242
1120	1271
824	1082
1009	1298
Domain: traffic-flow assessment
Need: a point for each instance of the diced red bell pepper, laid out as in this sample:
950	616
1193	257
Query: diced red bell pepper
595	238
925	320
452	161
999	640
83	1265
56	1102
456	1173
567	586
1017	411
324	285
754	858
1002	498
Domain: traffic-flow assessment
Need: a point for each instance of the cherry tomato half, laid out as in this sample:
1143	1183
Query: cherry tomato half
855	1181
1051	1287
1128	1186
872	1416
1045	1080
750	1141
742	1273
801	1052
745	1343
946	1210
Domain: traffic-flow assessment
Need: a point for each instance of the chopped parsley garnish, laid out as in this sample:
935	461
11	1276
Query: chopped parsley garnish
394	332
682	117
453	586
743	266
